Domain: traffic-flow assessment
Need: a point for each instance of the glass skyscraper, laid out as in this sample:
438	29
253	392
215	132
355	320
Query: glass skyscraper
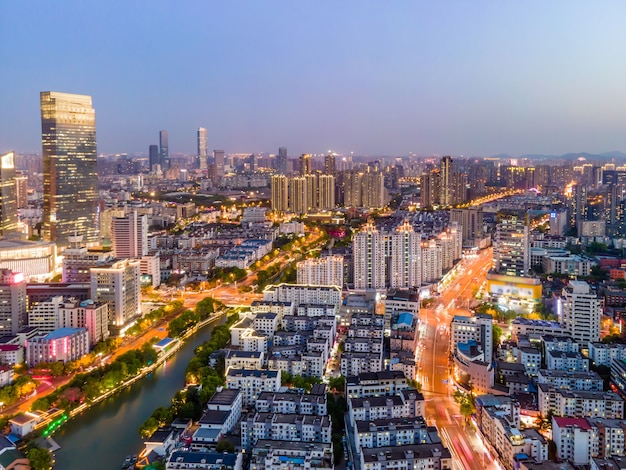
8	194
70	167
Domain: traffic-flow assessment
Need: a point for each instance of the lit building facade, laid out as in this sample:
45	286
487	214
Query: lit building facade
8	194
118	283
326	271
12	302
129	235
368	255
70	169
581	312
511	245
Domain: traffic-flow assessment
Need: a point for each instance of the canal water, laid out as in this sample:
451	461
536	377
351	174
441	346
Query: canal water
101	437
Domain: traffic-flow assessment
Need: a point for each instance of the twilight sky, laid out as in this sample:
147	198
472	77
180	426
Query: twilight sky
371	77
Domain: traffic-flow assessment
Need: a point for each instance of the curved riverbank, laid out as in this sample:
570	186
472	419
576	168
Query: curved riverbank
106	431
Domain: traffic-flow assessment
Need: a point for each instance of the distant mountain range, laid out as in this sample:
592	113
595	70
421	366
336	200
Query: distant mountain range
616	154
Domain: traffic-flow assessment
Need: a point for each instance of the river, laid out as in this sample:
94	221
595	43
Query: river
101	437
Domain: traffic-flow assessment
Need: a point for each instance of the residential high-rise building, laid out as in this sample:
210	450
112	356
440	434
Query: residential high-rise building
12	302
298	195
581	312
447	187
154	157
21	187
129	235
8	194
432	266
279	185
368	256
511	244
404	256
329	164
281	161
325	271
118	283
365	189
306	164
164	150
203	151
219	162
471	222
70	169
326	192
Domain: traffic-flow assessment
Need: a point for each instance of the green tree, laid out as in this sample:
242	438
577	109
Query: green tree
224	445
337	384
497	336
40	459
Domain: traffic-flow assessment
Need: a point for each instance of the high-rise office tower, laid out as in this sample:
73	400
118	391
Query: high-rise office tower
8	194
154	157
581	312
511	245
218	161
368	256
164	150
447	186
203	151
13	315
281	161
129	235
21	188
280	193
70	168
329	164
306	165
403	251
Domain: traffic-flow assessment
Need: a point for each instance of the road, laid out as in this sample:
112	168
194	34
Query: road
467	449
229	294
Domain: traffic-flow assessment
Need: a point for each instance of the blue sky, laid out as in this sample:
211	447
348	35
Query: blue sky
371	77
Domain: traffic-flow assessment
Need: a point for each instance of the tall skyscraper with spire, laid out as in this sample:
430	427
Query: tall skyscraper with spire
70	167
203	153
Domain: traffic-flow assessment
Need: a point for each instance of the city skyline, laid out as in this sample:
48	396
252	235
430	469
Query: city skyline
479	79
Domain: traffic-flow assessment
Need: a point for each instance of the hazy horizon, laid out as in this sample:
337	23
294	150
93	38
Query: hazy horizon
446	78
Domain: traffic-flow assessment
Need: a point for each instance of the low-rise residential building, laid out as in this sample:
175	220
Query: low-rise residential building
531	359
273	455
406	404
579	404
355	363
603	354
567	361
253	382
589	381
572	437
292	403
375	384
526	327
284	427
236	359
396	431
183	460
420	456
